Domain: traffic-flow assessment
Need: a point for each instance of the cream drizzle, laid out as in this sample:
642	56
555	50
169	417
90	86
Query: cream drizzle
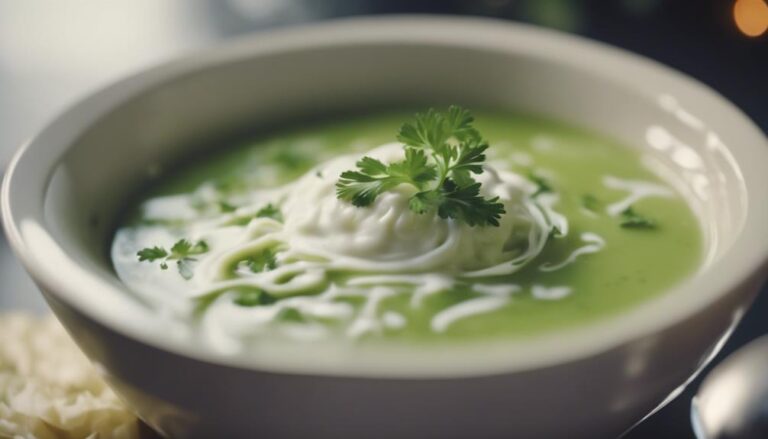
542	292
595	243
367	321
637	191
445	318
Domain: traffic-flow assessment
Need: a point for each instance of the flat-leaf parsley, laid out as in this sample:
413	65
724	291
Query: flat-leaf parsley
442	151
181	252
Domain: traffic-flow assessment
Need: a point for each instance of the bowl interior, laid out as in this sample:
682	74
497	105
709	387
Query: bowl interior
88	165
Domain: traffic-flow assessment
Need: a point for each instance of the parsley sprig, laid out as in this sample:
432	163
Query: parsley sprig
442	152
181	252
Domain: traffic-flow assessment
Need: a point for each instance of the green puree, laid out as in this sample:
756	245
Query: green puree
636	264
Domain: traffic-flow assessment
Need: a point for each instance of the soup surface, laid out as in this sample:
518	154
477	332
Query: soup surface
259	241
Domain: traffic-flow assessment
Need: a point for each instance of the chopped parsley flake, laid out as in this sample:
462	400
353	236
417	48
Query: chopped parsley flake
590	202
633	220
253	297
264	261
270	211
291	315
225	207
152	254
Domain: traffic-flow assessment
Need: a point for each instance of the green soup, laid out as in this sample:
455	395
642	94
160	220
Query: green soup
629	237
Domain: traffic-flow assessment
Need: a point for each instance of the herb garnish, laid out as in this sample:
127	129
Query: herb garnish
291	315
555	232
633	220
181	252
254	297
590	202
442	151
226	207
542	185
270	211
264	261
242	296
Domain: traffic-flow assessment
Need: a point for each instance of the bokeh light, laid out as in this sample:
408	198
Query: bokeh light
751	17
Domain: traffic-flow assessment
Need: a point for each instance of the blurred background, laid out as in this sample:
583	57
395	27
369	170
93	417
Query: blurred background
52	52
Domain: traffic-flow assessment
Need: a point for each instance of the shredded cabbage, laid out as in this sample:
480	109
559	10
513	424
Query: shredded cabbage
48	389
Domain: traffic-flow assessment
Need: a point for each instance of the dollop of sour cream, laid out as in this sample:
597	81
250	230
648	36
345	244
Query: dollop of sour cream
388	236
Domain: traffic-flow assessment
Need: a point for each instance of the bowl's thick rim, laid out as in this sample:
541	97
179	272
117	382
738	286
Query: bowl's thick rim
745	262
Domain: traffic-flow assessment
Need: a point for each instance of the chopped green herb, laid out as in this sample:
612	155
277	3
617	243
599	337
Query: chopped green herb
225	207
633	220
203	302
590	202
291	315
555	232
270	211
242	297
542	185
169	223
151	254
241	221
180	252
442	151
289	159
183	248
254	297
461	203
264	261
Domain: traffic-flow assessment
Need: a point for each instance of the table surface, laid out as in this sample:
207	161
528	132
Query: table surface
52	53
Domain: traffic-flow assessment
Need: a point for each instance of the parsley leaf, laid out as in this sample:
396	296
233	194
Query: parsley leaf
442	151
428	130
151	254
183	248
264	261
180	252
634	220
253	297
270	211
291	315
465	203
362	189
242	296
226	207
374	177
469	160
414	168
590	202
267	211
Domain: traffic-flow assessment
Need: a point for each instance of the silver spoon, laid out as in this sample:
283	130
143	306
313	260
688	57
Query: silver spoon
732	402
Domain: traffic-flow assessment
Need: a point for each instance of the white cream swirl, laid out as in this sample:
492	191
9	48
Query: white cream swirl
388	236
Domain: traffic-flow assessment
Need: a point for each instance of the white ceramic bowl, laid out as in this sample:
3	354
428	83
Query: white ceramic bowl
64	191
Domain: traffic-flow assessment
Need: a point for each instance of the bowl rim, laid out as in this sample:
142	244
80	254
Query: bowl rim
744	262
